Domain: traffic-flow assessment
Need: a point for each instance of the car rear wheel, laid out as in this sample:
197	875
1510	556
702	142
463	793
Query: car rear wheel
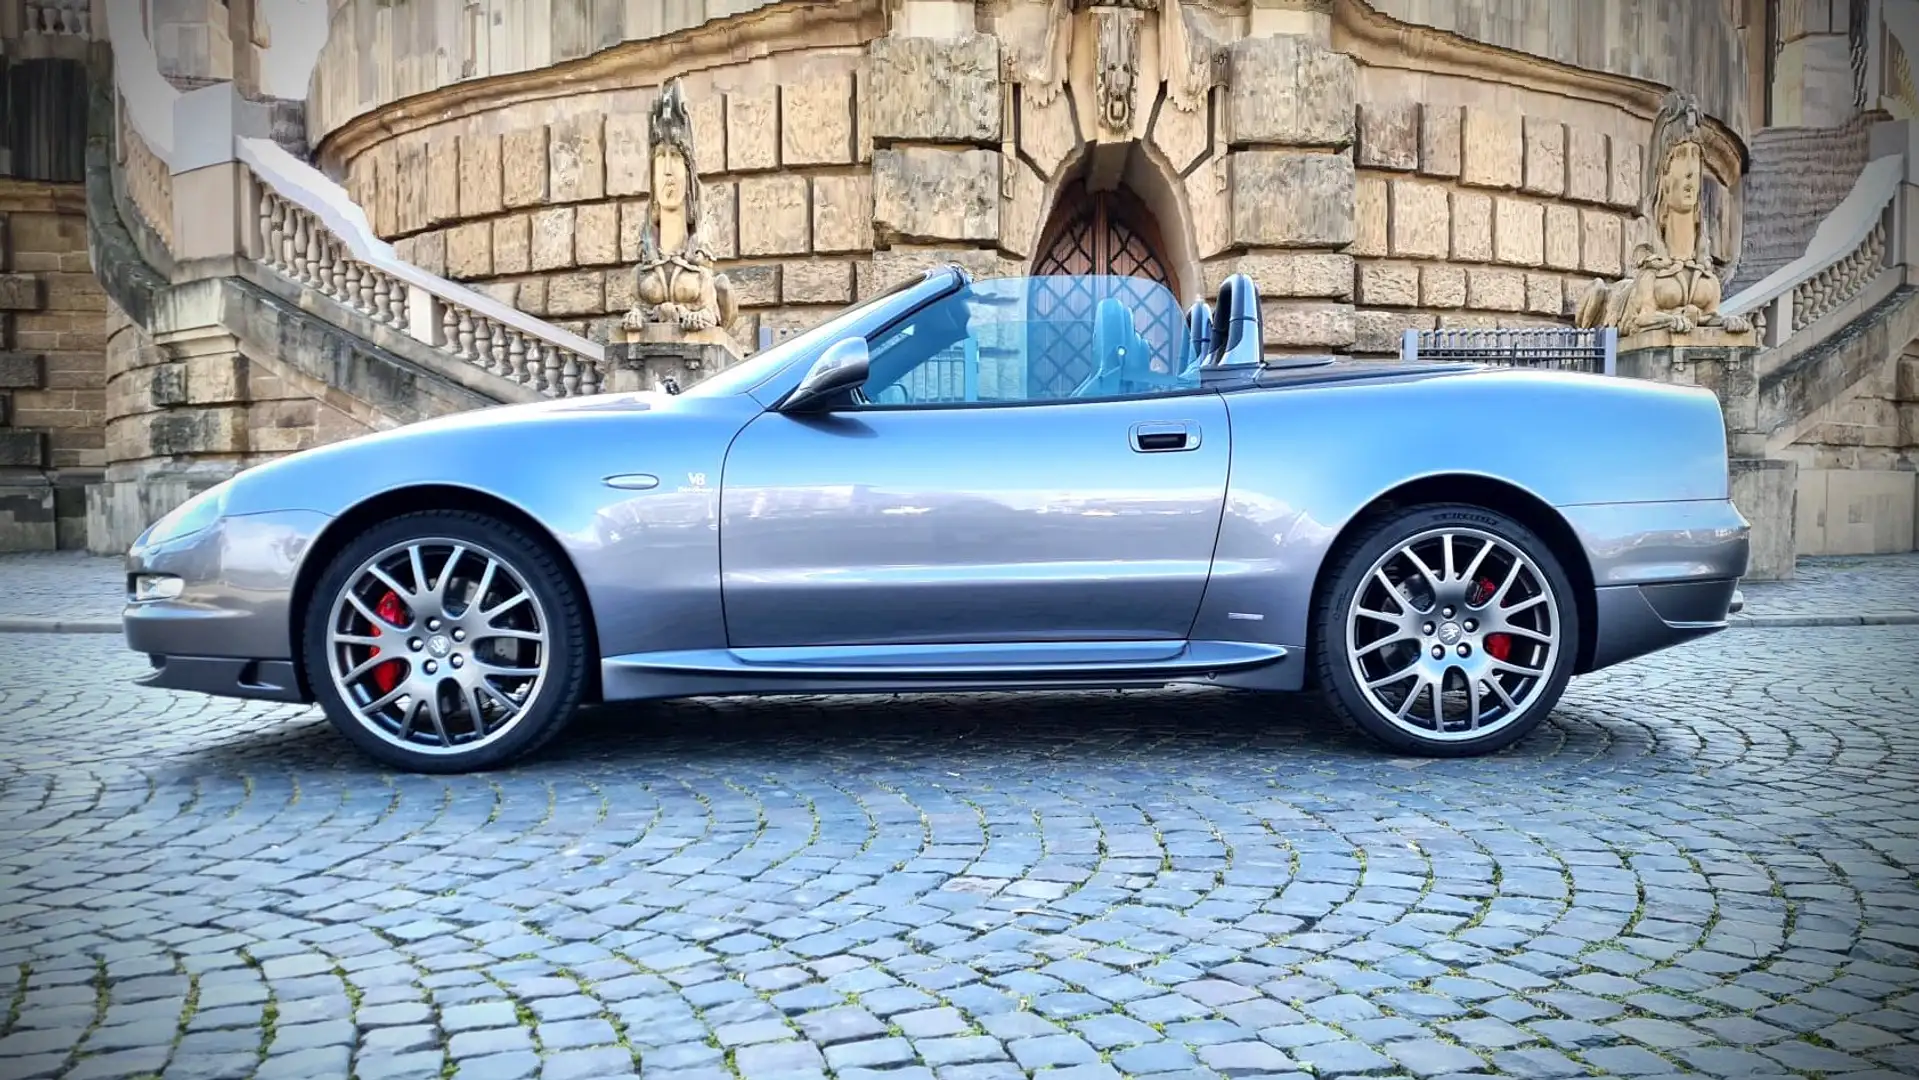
446	641
1446	630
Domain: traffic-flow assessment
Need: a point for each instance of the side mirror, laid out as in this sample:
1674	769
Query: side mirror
841	368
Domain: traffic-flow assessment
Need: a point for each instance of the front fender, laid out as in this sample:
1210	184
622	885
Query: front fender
648	559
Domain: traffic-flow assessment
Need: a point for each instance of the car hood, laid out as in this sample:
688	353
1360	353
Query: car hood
447	447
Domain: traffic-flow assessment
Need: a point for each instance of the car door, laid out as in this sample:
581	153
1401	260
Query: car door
956	506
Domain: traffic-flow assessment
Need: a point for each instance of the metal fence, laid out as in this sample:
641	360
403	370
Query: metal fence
1557	348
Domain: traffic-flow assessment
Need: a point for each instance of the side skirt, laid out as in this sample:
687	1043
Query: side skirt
915	668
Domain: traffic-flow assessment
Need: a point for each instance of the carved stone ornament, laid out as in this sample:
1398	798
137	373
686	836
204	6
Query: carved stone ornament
1676	281
1039	59
675	281
1116	60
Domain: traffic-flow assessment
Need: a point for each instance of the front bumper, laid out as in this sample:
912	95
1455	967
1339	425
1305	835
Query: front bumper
263	680
229	630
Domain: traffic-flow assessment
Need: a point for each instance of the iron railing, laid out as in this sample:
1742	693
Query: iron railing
1556	348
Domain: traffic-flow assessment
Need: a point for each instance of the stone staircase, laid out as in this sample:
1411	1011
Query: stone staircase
255	310
1830	401
1796	178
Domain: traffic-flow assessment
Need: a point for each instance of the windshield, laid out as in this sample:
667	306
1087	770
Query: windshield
1028	339
750	372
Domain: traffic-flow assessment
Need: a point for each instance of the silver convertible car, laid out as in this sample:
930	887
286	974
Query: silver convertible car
1030	483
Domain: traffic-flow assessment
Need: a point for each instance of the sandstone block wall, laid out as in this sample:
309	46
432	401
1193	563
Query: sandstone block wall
1858	469
543	203
1481	215
1693	45
1366	197
52	399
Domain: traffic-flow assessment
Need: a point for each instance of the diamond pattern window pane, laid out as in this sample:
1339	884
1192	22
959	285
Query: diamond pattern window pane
1101	244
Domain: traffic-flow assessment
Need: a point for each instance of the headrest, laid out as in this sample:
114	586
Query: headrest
1199	335
1237	317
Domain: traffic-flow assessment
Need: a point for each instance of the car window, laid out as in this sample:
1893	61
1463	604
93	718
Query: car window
1030	340
749	373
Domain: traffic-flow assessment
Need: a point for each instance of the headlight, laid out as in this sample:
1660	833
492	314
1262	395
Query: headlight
150	587
197	513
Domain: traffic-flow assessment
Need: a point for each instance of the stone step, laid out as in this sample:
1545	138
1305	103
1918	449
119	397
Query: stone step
23	449
22	371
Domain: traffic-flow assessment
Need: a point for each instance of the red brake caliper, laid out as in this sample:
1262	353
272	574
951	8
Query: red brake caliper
1498	646
387	675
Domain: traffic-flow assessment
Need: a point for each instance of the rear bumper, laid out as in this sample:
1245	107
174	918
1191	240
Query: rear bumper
1634	620
1663	573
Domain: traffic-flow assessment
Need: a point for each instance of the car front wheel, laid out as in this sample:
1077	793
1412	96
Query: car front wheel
446	641
1446	630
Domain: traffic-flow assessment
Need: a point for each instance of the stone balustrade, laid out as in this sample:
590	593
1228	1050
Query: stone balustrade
307	230
1847	254
55	18
149	180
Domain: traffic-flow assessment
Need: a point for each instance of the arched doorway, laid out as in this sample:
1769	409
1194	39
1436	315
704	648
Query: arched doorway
1108	244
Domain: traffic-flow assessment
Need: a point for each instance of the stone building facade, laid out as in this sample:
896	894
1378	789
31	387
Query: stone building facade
1373	166
478	181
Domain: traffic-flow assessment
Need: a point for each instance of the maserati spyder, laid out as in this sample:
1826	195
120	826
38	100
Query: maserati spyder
966	485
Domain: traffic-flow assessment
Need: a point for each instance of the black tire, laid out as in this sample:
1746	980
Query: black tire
1350	568
568	660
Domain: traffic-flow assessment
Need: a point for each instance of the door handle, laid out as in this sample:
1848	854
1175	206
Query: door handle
1160	437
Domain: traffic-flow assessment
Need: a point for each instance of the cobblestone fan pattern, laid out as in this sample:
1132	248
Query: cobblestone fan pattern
1703	866
72	586
61	585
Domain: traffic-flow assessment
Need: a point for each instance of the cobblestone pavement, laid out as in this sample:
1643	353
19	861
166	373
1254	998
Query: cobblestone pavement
1703	866
76	588
67	585
1839	586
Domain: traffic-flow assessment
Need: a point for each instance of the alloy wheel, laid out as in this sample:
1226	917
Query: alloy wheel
438	645
1451	634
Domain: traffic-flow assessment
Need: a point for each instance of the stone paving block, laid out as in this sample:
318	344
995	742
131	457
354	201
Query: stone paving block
1415	960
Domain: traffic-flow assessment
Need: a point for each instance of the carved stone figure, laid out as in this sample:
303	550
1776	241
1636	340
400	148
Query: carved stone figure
1039	59
676	283
1675	284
